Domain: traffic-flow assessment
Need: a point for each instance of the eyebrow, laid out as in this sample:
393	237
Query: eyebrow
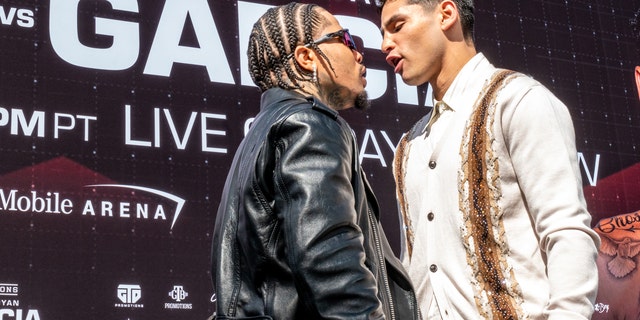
389	21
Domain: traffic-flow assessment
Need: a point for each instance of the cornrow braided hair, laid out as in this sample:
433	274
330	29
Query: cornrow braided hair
273	40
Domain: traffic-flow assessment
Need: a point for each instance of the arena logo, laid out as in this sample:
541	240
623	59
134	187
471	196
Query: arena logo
142	211
53	203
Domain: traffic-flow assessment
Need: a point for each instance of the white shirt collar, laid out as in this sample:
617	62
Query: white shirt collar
467	81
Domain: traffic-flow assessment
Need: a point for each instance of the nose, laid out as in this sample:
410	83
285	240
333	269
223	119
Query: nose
387	44
359	56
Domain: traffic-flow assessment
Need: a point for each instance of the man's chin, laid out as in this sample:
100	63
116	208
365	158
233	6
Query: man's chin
362	101
412	80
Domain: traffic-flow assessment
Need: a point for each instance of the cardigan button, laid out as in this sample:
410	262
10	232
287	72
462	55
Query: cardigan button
430	216
432	164
433	268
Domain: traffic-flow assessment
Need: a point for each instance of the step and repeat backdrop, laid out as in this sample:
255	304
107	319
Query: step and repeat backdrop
119	119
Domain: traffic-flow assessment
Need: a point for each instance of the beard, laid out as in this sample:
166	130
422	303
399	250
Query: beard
362	101
337	100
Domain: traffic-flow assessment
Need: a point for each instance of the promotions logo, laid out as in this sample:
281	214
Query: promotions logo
178	294
10	304
129	295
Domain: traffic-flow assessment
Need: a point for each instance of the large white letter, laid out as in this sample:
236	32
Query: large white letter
18	119
127	130
166	47
63	26
4	117
378	155
206	132
593	178
409	94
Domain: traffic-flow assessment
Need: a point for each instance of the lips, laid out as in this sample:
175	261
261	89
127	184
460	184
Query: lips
395	61
399	66
363	76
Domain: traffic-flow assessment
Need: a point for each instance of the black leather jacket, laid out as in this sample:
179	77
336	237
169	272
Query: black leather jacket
297	234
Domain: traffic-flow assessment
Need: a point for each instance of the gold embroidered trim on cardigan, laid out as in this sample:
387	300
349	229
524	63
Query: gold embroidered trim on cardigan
497	293
399	162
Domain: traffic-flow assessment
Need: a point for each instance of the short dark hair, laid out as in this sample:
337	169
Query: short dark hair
465	10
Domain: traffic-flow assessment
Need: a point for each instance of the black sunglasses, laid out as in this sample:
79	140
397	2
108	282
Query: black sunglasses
343	34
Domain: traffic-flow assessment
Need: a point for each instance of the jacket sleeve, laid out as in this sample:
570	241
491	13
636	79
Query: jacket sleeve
314	202
544	154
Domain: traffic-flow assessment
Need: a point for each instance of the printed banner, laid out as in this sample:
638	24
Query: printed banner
119	120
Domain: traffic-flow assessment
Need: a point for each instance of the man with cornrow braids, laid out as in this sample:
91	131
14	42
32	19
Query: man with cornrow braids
297	232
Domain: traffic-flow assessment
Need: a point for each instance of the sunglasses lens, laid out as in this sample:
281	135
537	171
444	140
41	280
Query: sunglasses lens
348	40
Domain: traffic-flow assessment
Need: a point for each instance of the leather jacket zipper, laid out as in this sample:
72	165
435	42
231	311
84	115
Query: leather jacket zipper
381	260
374	229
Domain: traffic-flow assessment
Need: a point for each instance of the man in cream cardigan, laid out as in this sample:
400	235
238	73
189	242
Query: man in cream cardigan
495	221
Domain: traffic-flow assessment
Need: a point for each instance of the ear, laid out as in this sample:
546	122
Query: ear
448	14
637	76
305	57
